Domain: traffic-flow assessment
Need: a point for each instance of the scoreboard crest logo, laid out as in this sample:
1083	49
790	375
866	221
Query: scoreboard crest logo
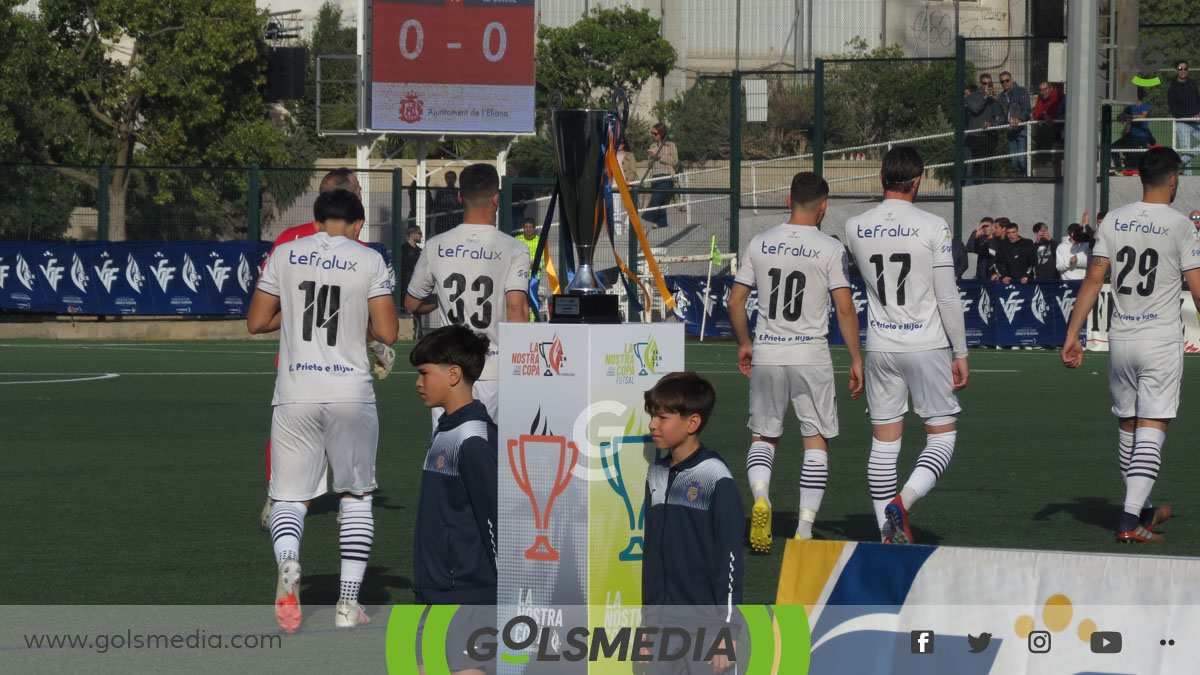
412	108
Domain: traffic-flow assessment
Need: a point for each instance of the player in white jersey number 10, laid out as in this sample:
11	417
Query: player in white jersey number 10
916	337
1152	245
795	268
324	293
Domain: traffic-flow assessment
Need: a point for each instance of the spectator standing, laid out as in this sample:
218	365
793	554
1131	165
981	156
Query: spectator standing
959	253
1045	264
663	157
1195	216
628	162
521	197
982	113
1051	109
1016	256
410	253
447	206
1183	99
1137	134
1073	256
977	243
1014	102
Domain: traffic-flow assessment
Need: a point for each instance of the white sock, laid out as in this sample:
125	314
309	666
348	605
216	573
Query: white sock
377	348
287	526
759	462
881	476
939	448
814	474
357	534
1143	467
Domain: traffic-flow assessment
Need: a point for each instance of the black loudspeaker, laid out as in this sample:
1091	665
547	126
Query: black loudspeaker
285	74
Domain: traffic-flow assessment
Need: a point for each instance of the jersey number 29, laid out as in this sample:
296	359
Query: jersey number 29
321	311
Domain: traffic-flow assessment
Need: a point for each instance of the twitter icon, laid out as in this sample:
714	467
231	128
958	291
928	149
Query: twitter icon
978	644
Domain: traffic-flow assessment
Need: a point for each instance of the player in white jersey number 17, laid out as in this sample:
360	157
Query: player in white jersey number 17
1152	245
916	338
795	268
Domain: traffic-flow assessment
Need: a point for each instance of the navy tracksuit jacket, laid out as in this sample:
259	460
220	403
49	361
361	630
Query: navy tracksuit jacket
693	536
454	545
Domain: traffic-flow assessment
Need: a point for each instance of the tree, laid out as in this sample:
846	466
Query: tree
329	38
125	82
606	50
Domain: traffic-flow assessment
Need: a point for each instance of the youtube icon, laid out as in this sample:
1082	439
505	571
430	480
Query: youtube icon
1106	642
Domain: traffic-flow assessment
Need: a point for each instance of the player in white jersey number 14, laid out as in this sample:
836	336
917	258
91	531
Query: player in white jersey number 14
324	293
795	269
1152	245
916	337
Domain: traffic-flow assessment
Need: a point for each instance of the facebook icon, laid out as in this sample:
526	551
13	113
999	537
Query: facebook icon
921	641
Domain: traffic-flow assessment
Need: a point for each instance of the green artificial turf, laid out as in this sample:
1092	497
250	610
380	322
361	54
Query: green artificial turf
146	488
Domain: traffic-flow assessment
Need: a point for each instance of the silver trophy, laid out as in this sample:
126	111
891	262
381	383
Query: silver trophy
579	137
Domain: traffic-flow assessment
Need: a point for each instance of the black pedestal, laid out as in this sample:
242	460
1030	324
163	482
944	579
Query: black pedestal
597	308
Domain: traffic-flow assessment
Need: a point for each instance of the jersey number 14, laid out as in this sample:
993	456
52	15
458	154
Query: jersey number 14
321	311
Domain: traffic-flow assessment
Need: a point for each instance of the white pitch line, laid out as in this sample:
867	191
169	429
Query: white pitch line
134	348
104	376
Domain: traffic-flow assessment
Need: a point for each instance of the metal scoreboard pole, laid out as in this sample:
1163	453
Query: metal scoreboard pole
1079	171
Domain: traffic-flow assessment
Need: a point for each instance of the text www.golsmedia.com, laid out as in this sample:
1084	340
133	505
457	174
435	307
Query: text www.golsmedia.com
199	639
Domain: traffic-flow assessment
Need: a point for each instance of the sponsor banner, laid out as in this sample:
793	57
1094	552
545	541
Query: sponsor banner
573	462
880	608
1036	313
689	304
1100	321
626	360
451	107
143	278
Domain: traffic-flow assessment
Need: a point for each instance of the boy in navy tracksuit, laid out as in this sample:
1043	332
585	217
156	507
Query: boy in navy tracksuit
454	545
694	521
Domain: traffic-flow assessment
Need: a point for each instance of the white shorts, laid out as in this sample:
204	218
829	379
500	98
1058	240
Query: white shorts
308	437
892	376
811	390
1144	378
486	392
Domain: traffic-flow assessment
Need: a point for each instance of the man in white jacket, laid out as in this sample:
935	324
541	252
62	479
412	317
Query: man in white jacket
1072	259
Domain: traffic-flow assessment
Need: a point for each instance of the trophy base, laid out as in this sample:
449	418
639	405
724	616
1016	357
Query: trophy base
596	308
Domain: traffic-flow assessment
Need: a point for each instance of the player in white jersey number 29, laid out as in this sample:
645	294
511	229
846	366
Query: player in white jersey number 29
1152	245
795	269
916	337
324	293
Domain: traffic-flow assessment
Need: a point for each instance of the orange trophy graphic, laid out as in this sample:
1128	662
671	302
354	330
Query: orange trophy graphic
541	549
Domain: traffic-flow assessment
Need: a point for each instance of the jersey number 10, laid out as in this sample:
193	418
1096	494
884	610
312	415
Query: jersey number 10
321	311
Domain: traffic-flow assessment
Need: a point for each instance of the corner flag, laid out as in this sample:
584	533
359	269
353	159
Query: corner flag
713	253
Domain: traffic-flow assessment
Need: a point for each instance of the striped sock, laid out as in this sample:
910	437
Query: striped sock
881	475
1143	468
814	474
759	462
287	526
357	534
1124	451
939	448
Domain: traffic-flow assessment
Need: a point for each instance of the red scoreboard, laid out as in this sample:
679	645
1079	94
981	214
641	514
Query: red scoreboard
452	65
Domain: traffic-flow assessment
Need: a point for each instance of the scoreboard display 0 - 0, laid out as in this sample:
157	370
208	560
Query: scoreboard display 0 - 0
460	66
